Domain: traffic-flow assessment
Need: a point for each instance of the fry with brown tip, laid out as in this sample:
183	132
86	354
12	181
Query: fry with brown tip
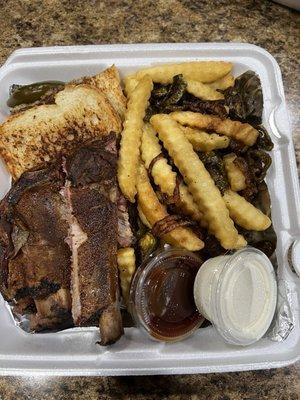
198	180
154	211
131	137
234	129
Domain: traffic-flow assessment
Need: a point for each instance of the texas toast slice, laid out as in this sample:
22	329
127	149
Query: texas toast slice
109	83
34	137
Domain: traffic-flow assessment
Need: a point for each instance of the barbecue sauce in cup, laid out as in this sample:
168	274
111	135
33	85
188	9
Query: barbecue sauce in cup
161	295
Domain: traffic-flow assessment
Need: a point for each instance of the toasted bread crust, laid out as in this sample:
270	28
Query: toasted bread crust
32	138
109	83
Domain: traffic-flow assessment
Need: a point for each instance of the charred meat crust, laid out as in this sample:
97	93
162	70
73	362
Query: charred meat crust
41	291
76	202
53	312
93	195
62	320
6	247
94	162
110	324
35	260
98	278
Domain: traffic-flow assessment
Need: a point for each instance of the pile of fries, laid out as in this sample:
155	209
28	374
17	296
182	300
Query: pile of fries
143	166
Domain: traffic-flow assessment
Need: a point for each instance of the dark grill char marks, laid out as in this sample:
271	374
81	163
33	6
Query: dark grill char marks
6	246
42	210
34	258
92	194
53	312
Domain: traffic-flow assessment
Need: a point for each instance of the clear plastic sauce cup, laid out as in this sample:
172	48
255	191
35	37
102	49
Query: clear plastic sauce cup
161	295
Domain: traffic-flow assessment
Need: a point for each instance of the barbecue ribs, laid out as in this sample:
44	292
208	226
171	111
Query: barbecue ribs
58	242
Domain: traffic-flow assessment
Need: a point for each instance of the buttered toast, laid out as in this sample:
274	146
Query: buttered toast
38	135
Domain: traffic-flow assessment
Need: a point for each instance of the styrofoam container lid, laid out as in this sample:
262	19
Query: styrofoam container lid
74	351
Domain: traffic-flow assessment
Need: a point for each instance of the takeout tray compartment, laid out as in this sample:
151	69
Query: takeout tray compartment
74	351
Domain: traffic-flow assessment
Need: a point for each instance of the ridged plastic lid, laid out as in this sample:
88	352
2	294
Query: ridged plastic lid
245	297
295	256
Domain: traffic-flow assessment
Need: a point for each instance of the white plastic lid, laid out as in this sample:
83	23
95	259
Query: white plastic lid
296	256
245	297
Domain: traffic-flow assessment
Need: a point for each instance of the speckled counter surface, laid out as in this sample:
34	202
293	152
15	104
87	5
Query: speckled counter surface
51	22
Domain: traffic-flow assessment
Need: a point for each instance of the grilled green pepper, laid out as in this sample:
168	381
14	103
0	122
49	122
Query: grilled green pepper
160	90
264	141
147	243
259	162
29	94
175	93
245	98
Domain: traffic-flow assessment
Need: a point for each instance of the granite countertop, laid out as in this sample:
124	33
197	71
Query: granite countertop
26	23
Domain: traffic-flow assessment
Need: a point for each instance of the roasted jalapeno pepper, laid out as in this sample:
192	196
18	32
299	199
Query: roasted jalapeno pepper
29	94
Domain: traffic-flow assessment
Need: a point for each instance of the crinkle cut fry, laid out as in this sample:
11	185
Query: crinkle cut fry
203	141
126	265
223	83
234	129
154	211
130	84
203	91
244	213
236	177
189	207
163	175
142	217
199	181
202	71
131	138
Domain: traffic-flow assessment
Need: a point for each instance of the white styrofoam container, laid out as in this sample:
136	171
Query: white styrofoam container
74	352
